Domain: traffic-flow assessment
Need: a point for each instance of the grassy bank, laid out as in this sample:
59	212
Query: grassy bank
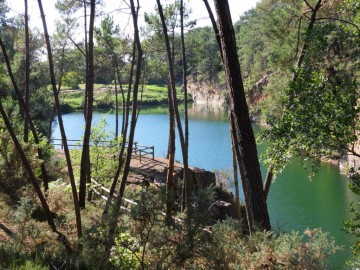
104	97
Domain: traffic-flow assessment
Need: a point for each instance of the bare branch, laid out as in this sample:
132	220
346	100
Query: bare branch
306	2
77	46
352	152
298	38
340	20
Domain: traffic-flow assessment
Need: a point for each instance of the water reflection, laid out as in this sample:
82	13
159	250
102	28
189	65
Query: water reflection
208	112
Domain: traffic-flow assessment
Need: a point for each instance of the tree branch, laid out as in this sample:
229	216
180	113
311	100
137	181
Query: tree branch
340	20
77	46
306	2
354	153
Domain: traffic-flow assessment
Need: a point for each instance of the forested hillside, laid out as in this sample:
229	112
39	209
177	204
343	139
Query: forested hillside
291	65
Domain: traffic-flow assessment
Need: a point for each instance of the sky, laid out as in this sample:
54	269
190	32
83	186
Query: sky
237	8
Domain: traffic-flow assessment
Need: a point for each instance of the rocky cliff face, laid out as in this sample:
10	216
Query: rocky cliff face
348	161
207	93
212	95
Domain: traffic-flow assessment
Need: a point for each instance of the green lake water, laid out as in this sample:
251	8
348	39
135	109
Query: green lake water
294	202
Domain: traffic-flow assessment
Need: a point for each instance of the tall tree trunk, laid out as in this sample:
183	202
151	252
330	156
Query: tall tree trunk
27	114
27	73
240	124
186	117
61	126
244	181
86	60
32	177
124	130
214	25
188	185
117	79
116	108
123	101
171	159
235	149
116	209
236	180
53	111
85	175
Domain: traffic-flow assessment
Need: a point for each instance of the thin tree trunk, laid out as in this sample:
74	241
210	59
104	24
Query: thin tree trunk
123	101
241	125
186	117
61	126
61	237
53	111
27	73
85	174
309	28
124	129
27	114
267	183
171	159
116	108
270	173
188	186
116	208
214	25
86	61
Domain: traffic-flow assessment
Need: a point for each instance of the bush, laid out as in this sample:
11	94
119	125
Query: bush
72	79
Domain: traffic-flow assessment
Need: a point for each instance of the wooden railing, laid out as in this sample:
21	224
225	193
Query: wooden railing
138	149
103	192
143	150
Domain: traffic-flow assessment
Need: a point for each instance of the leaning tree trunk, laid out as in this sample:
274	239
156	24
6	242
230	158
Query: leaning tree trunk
85	175
27	114
61	237
188	186
124	130
171	159
240	125
116	209
234	149
53	111
61	126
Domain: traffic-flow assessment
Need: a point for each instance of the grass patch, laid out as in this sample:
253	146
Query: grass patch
105	99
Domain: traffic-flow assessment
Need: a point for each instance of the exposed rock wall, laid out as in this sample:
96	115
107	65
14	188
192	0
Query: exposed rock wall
348	161
207	93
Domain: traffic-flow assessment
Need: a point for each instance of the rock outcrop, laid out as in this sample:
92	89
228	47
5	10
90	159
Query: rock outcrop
155	171
207	93
349	160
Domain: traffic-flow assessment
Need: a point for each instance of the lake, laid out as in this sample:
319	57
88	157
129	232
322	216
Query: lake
294	202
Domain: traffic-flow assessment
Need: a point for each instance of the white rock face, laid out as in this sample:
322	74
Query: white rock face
350	161
204	93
